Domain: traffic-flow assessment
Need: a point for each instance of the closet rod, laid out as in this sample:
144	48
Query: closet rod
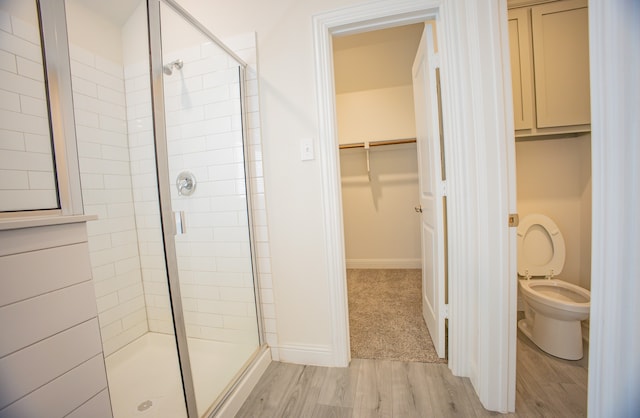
378	143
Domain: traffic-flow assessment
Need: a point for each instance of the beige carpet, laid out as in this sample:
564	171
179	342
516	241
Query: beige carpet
385	316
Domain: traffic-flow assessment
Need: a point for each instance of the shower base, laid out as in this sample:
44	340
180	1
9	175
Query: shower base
144	376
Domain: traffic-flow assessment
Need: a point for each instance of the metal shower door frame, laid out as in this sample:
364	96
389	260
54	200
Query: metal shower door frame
164	188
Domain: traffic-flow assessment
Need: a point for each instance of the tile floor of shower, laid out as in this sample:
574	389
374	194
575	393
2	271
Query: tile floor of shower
144	376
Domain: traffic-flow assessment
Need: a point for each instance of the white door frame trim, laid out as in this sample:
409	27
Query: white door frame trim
361	18
614	334
478	127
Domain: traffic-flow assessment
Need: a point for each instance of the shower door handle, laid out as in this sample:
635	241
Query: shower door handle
181	226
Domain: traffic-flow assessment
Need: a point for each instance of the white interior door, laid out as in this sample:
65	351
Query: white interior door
431	187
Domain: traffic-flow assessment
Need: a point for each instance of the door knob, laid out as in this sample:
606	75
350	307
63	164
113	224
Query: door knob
418	208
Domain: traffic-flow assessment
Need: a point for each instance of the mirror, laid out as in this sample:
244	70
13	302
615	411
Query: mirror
27	173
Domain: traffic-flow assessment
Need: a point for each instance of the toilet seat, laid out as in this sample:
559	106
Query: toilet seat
558	293
541	250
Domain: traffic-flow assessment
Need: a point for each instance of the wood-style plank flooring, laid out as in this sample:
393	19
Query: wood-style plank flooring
546	387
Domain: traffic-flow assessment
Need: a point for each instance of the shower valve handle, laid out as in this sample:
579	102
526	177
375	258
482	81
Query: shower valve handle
186	183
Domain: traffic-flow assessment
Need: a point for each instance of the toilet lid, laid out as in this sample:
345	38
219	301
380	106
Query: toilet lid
541	249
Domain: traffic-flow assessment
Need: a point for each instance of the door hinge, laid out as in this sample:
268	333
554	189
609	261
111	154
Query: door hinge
514	220
445	312
443	188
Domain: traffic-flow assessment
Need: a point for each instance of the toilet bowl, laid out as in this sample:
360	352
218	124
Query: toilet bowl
554	308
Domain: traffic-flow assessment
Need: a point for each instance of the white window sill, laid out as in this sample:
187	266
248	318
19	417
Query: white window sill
31	222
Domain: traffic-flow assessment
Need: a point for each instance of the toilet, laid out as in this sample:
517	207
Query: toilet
553	308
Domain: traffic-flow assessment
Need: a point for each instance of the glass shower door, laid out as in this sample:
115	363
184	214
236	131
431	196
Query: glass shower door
115	138
205	187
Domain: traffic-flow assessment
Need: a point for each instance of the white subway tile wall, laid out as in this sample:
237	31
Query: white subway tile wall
106	175
115	141
204	128
145	189
245	47
204	137
27	179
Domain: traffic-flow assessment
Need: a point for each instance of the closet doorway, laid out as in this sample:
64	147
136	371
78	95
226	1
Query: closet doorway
380	167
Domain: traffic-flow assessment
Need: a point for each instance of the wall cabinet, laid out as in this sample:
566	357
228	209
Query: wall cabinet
549	48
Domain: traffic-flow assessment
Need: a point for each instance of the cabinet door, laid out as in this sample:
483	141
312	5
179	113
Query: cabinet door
561	59
521	67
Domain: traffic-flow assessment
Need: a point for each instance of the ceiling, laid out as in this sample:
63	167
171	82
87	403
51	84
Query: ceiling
377	59
116	11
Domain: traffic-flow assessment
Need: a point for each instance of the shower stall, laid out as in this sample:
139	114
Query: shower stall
163	148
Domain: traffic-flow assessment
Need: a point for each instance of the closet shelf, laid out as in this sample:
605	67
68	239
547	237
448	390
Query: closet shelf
367	145
378	143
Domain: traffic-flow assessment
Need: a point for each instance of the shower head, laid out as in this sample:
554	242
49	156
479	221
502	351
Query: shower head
168	68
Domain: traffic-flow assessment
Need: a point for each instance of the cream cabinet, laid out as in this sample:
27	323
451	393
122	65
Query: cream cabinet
549	48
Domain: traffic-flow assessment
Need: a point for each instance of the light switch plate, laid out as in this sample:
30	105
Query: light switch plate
306	149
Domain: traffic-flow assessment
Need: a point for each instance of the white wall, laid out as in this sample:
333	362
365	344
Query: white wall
554	179
51	360
374	115
381	227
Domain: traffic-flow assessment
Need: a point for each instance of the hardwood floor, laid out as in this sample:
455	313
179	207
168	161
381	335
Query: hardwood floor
546	387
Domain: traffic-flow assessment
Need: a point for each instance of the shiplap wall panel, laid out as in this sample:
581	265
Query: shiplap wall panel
22	278
69	349
98	406
17	241
51	360
32	320
63	395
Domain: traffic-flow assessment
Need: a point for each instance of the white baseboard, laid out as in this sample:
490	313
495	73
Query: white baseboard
384	263
275	354
241	392
313	355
